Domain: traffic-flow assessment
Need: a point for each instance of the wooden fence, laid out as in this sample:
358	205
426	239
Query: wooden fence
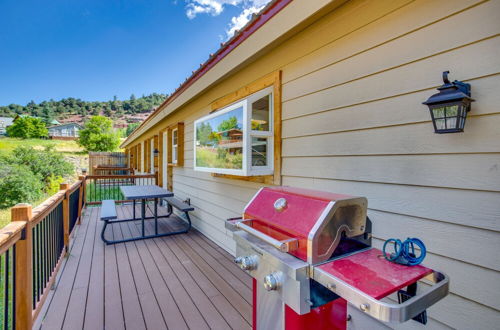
107	159
32	248
106	170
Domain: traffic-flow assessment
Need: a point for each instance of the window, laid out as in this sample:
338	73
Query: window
174	146
237	139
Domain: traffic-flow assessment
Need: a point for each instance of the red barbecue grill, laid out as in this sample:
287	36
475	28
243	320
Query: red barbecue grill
310	256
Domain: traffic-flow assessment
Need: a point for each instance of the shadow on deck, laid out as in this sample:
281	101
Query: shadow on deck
176	282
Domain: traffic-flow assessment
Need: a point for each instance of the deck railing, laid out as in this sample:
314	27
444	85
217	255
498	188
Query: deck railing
35	242
101	187
32	247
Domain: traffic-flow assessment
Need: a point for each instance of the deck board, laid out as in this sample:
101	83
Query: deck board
177	282
94	309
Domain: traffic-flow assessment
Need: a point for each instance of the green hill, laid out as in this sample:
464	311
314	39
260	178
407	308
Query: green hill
72	106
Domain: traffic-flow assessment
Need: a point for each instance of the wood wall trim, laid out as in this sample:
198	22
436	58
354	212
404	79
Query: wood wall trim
272	79
265	179
261	83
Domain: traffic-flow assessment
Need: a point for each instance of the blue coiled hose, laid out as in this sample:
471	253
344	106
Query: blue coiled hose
404	252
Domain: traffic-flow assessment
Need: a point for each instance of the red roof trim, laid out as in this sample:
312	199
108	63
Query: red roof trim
267	13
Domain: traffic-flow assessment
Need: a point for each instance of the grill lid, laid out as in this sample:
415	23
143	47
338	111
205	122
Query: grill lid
316	220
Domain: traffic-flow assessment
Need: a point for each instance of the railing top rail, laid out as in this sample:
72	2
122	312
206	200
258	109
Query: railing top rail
48	205
121	176
10	234
75	186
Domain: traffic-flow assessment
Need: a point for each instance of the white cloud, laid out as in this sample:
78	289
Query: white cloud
216	7
211	7
242	19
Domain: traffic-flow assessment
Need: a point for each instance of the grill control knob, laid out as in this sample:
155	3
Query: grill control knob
247	263
273	281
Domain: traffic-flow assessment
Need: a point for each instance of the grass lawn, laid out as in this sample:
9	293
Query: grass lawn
70	147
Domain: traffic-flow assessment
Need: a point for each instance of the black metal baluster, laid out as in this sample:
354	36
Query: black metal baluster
33	262
55	248
61	231
47	249
13	319
50	246
44	251
44	254
39	261
6	289
59	241
57	251
2	271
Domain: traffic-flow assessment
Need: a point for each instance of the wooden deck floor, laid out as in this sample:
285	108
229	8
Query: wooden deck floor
177	282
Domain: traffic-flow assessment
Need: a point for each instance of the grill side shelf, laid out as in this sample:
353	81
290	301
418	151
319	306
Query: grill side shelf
366	302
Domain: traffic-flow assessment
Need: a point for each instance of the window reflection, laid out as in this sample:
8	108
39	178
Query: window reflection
260	114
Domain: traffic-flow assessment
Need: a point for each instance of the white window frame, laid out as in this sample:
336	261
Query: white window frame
175	146
247	168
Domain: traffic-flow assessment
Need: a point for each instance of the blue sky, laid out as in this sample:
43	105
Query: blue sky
95	49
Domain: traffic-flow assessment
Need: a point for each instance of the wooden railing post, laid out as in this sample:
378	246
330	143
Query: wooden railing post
24	271
80	198
65	187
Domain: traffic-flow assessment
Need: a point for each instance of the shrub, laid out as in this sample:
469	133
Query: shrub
43	163
18	185
237	160
98	135
28	128
53	184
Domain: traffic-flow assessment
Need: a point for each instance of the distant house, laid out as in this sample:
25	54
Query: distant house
4	123
67	131
231	139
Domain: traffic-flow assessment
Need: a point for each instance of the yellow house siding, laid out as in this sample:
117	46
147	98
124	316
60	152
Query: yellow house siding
353	122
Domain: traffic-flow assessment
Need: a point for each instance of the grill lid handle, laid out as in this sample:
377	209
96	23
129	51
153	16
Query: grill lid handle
287	245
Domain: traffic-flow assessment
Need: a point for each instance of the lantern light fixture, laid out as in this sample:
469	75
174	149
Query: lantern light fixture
156	152
449	107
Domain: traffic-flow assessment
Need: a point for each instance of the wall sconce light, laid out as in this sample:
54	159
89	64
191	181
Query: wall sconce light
156	152
449	107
